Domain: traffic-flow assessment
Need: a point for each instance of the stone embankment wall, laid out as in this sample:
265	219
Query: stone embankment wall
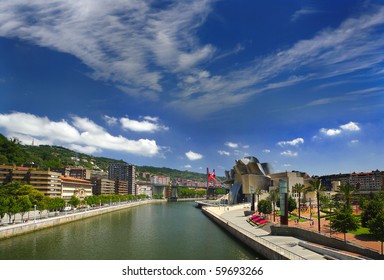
18	229
322	239
246	238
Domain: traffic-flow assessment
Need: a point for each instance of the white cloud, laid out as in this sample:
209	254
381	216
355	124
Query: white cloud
231	144
224	153
149	124
351	126
289	153
81	134
266	151
294	142
187	166
193	156
330	131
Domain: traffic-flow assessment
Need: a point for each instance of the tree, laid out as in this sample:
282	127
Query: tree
315	186
4	201
371	208
264	206
376	227
345	193
13	207
24	205
343	220
258	192
74	201
291	204
274	197
299	189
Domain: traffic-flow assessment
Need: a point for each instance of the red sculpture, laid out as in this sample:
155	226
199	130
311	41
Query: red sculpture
211	176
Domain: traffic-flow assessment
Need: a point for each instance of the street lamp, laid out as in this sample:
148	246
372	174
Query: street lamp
310	208
34	215
330	212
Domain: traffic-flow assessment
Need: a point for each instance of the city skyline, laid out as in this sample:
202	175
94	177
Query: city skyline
196	84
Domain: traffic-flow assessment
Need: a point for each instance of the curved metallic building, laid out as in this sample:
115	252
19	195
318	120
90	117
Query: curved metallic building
247	176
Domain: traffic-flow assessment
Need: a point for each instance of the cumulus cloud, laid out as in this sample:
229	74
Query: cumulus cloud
289	153
193	156
348	127
294	142
148	124
330	131
81	134
351	126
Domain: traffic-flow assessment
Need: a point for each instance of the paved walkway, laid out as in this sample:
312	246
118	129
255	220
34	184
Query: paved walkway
235	214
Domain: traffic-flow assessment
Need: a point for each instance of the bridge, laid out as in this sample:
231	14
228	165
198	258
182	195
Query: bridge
171	190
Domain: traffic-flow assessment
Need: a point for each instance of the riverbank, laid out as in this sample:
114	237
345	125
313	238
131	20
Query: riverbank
39	224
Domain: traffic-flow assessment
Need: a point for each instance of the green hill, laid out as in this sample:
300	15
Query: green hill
44	156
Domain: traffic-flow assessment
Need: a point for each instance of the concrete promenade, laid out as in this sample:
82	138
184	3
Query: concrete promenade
232	218
286	246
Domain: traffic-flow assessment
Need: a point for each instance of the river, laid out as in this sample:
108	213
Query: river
158	231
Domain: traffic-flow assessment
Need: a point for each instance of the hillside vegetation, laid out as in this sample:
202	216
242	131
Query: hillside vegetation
13	152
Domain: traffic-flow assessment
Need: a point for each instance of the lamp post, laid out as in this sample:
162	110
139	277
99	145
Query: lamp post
330	212
310	209
34	214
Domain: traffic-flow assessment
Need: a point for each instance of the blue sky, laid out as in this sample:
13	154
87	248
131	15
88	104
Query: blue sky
197	84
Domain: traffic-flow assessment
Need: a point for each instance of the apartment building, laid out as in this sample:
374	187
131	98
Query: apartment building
80	173
48	182
121	187
123	172
366	182
103	186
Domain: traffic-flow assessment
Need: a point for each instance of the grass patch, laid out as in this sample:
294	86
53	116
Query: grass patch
360	231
